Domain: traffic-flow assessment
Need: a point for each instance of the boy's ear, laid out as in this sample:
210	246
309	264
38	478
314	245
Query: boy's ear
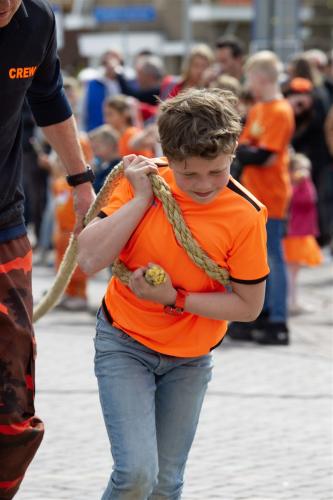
235	148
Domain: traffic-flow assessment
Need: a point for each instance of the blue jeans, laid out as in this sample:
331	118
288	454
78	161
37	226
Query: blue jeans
151	404
276	287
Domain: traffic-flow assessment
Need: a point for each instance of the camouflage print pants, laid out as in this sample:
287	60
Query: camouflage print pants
21	431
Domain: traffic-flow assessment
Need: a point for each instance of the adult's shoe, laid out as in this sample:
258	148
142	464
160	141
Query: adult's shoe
238	330
272	334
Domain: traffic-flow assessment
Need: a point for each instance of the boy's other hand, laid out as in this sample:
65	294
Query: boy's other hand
137	170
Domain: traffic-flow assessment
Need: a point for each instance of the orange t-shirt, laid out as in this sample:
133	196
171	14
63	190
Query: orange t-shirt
231	229
124	146
270	125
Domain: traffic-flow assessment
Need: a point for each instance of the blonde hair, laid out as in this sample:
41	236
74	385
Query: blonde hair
265	62
201	123
300	161
200	50
104	134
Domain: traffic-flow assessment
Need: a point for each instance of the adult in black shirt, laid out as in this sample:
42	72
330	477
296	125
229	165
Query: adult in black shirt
29	69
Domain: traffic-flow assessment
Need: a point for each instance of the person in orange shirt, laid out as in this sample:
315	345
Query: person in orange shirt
75	296
121	113
264	154
153	343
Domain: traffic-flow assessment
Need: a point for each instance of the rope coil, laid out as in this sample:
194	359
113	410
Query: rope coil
173	213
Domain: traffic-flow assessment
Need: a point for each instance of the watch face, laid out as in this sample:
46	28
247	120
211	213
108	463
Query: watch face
174	311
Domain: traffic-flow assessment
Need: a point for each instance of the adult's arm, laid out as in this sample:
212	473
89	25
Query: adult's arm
63	137
54	115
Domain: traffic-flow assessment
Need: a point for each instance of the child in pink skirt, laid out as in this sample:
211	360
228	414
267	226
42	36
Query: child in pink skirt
300	245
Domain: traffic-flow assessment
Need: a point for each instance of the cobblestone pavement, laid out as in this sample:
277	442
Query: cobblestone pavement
266	426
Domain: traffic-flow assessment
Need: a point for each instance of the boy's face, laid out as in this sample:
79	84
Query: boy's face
201	178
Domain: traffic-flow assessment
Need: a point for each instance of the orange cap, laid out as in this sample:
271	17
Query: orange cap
300	86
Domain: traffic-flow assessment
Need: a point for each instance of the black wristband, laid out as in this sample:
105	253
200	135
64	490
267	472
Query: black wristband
81	178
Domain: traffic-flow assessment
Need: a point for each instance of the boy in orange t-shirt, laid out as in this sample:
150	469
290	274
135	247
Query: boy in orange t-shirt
153	344
264	154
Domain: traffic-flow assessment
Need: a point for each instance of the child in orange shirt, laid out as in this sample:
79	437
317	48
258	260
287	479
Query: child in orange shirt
264	154
75	296
121	114
153	343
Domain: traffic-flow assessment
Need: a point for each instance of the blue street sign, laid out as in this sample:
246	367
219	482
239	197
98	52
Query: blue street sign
133	14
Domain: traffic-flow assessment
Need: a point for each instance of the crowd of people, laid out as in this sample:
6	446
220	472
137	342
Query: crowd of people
270	125
287	114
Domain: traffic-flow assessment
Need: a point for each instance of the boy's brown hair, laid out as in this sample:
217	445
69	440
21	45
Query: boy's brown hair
199	123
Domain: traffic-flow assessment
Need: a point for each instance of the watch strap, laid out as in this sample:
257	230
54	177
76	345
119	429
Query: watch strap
81	178
180	298
177	309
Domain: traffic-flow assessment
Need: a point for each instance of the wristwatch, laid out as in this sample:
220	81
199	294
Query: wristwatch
177	309
81	178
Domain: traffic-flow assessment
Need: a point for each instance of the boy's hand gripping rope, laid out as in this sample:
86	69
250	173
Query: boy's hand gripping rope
183	235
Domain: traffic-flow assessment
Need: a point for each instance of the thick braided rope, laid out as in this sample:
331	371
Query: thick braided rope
184	235
174	215
68	263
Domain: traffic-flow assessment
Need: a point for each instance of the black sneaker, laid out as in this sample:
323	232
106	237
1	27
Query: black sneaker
238	330
272	334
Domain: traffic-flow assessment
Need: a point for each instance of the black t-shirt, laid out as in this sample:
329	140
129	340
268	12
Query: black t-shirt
29	68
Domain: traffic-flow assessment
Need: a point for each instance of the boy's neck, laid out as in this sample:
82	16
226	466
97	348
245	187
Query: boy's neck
271	93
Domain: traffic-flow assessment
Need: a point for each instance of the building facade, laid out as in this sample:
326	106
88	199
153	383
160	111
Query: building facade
169	27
